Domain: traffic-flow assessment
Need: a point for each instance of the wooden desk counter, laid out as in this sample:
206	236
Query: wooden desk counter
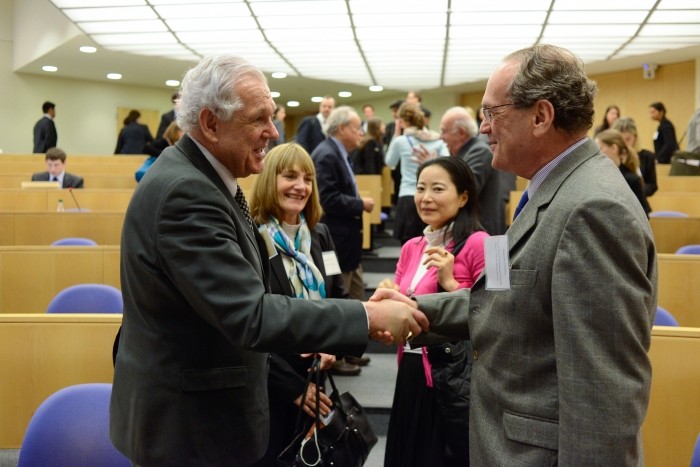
43	228
31	276
43	353
673	419
17	200
100	181
671	233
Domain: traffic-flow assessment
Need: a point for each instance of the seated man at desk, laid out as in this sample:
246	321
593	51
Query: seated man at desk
56	163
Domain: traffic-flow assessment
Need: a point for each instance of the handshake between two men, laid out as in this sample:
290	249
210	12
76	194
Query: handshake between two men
393	317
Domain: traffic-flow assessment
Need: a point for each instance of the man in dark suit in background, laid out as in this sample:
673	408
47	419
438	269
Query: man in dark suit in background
310	133
45	135
167	118
190	379
342	204
56	163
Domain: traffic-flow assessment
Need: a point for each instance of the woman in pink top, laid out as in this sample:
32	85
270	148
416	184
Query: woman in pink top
429	422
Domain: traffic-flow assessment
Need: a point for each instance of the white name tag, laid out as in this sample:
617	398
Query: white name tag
330	263
496	257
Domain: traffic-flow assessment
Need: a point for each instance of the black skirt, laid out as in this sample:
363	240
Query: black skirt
415	437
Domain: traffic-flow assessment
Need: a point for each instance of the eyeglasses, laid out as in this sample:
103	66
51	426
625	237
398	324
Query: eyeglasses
488	111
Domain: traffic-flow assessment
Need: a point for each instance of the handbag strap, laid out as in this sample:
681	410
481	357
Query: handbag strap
315	368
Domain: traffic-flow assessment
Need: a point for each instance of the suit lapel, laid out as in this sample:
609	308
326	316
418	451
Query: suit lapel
195	156
527	220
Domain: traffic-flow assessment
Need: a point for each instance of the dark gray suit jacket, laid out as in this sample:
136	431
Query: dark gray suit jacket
342	208
561	372
69	180
190	381
45	136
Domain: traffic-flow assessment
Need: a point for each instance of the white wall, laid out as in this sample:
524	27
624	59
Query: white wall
86	111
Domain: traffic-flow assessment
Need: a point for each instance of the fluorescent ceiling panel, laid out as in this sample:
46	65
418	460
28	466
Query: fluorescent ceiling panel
502	5
421	21
603	5
678	5
597	18
104	27
304	21
110	14
497	18
661	30
141	38
295	8
95	3
211	24
227	37
676	16
203	10
388	8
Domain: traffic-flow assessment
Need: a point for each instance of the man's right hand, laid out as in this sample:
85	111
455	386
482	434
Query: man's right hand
398	319
367	204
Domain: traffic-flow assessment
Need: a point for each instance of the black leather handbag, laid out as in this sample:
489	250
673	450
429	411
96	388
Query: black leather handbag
344	442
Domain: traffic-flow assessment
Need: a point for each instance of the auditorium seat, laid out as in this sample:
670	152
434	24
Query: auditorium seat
74	241
667	214
688	250
664	318
87	298
71	428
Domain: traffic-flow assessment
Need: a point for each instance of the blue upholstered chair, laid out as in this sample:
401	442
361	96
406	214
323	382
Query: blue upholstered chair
695	460
664	318
688	250
74	241
87	298
71	428
667	214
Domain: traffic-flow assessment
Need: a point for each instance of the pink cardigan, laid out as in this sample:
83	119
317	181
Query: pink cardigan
468	265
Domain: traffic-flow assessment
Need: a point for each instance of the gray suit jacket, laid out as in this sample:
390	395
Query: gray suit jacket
561	372
190	380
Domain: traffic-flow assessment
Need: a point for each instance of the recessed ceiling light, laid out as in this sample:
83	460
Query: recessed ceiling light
376	88
274	94
345	94
279	74
317	99
88	49
172	82
114	76
292	103
49	68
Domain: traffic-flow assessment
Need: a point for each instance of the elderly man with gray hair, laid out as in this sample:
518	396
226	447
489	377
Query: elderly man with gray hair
459	131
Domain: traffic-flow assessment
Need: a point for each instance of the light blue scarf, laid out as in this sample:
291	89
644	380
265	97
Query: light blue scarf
307	282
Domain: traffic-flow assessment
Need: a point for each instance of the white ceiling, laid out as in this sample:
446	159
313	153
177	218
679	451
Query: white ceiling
326	46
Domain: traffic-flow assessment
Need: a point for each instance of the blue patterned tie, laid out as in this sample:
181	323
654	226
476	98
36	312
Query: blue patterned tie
523	201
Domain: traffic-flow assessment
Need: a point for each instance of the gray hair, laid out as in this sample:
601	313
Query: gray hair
463	120
556	75
212	84
340	116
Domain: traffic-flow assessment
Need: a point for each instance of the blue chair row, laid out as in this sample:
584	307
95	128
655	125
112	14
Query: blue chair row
70	429
87	298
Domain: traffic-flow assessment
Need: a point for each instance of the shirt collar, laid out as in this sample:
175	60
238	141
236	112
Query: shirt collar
542	174
226	176
341	146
